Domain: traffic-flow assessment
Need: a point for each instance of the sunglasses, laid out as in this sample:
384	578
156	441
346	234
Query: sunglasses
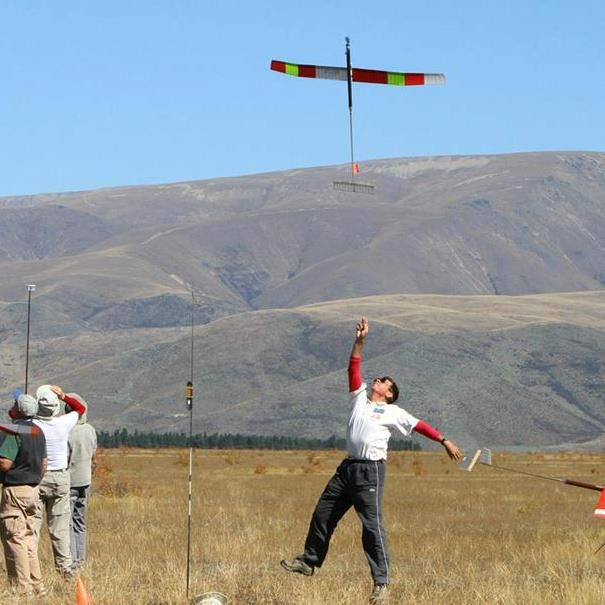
385	379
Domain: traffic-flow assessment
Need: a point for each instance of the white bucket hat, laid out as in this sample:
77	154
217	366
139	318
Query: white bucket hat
49	405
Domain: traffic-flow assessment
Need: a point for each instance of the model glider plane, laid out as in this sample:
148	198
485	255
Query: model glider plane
355	74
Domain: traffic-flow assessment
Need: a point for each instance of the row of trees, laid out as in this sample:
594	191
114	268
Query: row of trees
224	441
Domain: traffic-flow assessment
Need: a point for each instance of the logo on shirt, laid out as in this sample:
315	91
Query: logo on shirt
377	413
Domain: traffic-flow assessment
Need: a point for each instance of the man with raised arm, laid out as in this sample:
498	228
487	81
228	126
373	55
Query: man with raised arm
359	479
55	484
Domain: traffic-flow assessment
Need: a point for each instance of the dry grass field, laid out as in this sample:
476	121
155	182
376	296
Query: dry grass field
455	538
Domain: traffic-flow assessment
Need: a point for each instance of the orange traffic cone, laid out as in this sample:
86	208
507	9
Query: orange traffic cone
600	509
82	596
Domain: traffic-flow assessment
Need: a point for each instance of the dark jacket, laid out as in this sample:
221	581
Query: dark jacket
27	466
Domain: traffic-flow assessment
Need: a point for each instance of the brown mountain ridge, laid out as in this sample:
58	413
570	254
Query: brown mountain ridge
114	269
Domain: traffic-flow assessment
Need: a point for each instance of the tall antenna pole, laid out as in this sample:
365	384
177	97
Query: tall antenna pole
30	289
189	400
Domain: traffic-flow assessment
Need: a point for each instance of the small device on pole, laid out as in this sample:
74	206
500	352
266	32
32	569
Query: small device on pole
30	289
189	401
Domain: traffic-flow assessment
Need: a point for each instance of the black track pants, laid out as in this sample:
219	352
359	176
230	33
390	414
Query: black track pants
357	483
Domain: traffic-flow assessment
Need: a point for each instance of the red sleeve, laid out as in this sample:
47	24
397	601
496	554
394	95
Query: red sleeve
427	431
354	373
74	404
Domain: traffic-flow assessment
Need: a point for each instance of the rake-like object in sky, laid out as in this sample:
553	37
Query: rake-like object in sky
355	74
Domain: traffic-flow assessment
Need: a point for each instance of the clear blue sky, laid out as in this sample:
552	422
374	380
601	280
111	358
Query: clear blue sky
121	92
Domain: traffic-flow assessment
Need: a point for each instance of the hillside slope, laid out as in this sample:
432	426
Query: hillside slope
280	264
509	224
491	370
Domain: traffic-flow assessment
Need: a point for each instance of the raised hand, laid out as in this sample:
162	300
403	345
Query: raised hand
363	327
57	390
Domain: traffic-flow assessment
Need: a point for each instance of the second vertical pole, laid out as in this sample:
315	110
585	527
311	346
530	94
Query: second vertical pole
30	289
189	400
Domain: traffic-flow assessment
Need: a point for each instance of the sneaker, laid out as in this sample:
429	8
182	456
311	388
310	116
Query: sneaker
379	594
297	566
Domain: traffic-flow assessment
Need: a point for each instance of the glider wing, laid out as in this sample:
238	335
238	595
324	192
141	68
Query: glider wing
370	76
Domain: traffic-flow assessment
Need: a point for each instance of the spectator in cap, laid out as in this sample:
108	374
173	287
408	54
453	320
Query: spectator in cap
22	465
55	485
82	463
25	407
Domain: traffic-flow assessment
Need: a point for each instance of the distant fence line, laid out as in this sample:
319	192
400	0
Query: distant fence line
227	441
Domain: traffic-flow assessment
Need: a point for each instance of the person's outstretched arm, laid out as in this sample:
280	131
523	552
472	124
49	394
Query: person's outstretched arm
361	331
426	430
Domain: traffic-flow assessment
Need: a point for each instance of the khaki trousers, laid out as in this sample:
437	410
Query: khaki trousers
17	509
54	498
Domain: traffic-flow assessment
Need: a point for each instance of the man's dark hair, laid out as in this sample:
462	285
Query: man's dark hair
394	388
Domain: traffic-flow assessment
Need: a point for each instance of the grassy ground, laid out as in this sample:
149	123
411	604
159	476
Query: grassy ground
483	538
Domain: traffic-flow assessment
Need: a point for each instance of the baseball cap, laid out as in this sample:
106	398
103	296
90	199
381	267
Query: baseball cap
27	405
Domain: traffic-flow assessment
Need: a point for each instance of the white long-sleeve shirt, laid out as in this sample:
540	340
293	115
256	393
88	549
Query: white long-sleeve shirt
370	426
56	430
